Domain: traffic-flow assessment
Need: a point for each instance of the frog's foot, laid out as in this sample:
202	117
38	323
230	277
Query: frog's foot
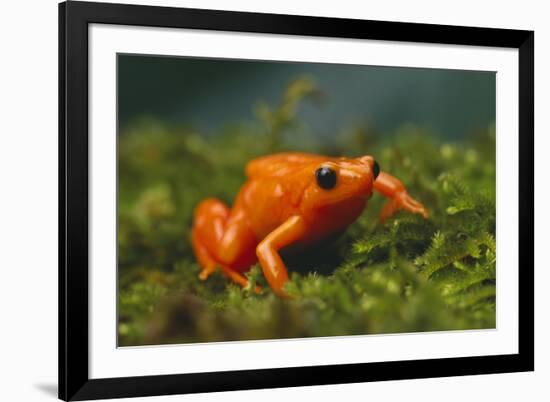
411	205
239	279
207	263
209	266
206	272
392	188
219	242
402	201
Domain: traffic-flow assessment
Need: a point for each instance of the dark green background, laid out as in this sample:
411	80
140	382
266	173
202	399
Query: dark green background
209	93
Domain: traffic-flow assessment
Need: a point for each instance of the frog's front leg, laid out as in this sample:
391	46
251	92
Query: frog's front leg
391	187
267	252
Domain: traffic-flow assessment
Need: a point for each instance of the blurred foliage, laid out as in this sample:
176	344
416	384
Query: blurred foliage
405	275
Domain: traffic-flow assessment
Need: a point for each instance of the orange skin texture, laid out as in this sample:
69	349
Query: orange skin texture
282	204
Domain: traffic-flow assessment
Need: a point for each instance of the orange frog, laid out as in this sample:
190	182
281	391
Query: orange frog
289	199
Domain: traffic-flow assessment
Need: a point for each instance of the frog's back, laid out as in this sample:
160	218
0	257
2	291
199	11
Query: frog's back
281	164
273	190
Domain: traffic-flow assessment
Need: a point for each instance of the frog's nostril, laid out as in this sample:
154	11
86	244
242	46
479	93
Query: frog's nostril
367	160
372	164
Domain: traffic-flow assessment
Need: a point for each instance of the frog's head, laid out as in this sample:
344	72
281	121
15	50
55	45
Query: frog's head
336	181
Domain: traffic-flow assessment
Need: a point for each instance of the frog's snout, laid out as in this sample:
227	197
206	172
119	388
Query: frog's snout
367	160
372	164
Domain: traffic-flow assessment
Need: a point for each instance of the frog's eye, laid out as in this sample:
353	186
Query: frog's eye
375	169
326	177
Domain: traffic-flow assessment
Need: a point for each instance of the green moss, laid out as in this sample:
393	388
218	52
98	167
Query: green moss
406	275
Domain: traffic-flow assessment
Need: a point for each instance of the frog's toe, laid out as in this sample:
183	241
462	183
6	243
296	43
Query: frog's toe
410	204
206	272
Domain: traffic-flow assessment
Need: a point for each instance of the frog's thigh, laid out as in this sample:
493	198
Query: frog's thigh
268	252
236	246
208	226
210	219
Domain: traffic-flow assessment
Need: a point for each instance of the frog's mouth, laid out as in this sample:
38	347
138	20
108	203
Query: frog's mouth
342	200
361	192
345	210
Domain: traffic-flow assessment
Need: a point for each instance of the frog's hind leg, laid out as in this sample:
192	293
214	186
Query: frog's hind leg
210	218
207	263
222	240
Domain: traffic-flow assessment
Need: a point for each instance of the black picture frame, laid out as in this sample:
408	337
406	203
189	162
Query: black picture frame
74	381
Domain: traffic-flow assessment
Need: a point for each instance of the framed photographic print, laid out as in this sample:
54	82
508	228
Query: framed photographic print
257	200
